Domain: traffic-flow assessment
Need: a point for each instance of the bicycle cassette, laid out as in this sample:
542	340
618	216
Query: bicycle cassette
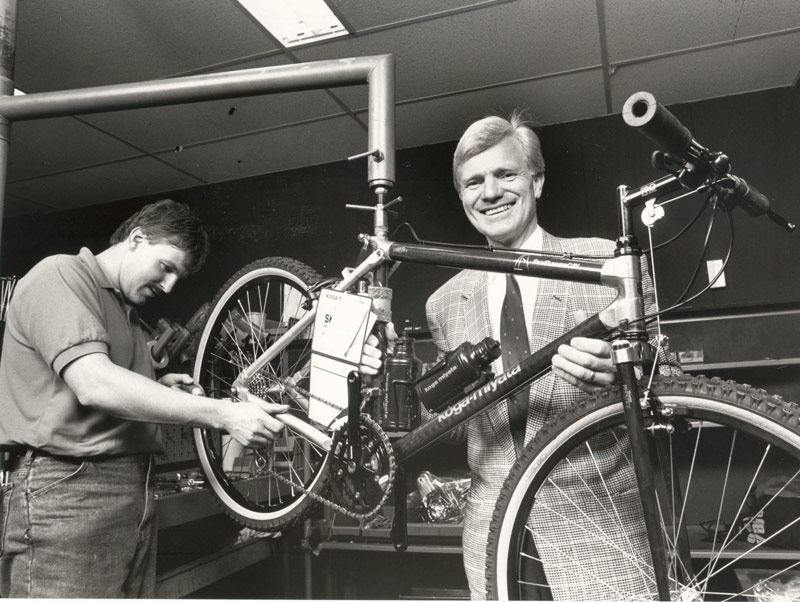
361	475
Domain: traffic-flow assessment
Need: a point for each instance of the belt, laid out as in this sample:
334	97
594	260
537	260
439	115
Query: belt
12	452
10	456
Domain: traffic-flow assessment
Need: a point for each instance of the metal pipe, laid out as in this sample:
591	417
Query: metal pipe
376	71
8	39
196	88
381	122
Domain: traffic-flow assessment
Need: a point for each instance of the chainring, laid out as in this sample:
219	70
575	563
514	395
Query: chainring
362	484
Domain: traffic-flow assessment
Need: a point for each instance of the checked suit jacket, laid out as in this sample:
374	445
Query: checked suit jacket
458	312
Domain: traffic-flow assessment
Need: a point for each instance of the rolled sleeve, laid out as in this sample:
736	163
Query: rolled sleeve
70	354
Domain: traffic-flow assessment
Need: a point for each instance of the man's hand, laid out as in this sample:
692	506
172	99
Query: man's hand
371	356
183	382
251	423
585	363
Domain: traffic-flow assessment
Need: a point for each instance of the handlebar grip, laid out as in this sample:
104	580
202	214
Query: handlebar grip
748	198
753	202
643	112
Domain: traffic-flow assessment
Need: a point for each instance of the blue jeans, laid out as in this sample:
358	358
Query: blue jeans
77	528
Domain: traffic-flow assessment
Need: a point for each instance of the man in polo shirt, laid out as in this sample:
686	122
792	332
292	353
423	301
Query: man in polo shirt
79	411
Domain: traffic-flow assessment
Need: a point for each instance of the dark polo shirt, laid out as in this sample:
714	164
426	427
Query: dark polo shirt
64	309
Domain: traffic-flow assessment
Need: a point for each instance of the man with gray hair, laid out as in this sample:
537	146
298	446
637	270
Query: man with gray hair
499	173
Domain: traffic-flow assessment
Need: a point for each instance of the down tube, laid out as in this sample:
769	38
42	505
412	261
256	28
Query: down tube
498	388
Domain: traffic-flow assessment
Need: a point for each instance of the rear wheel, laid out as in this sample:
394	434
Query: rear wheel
269	488
571	501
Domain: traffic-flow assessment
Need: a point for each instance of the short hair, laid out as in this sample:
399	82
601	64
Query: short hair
172	222
490	131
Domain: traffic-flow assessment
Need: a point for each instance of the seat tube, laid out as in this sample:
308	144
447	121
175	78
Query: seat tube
626	356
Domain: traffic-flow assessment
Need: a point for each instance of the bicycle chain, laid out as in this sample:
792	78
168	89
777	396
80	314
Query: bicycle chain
330	503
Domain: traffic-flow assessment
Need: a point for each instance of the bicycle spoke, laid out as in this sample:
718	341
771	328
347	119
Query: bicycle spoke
572	562
722	443
268	487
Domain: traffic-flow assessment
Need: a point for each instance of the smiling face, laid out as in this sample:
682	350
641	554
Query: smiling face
499	192
149	269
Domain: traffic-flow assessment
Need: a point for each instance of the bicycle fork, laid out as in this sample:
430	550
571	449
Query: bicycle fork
626	355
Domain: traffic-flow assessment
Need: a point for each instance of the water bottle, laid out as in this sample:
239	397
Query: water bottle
402	369
458	369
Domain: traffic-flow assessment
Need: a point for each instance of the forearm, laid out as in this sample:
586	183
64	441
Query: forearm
108	388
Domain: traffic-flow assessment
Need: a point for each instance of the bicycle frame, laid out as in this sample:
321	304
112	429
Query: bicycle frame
622	322
625	313
624	316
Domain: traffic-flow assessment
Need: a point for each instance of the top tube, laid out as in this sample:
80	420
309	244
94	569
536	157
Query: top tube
528	263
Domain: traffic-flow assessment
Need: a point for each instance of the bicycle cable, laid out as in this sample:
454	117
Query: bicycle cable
654	315
703	252
683	230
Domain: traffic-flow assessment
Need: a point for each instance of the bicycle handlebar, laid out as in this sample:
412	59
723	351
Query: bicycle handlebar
643	112
752	202
656	122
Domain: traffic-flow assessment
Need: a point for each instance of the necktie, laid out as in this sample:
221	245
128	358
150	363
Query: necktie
515	348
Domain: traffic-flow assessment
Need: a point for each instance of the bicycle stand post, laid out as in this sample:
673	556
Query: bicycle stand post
399	530
353	413
625	356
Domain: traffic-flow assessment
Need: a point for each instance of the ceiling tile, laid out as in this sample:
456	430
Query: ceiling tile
50	145
159	128
15	206
121	41
366	14
102	184
638	28
777	15
551	100
497	44
767	63
278	150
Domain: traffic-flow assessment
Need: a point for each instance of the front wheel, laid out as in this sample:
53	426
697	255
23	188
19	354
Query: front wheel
568	523
270	488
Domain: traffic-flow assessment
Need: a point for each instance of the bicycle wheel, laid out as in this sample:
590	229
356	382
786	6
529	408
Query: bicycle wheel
266	489
571	502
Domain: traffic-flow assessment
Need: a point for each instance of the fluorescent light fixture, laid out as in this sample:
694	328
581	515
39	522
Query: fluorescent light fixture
296	22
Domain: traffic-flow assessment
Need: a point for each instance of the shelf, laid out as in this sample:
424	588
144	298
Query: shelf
192	576
431	538
737	549
448	540
418	530
179	508
367	546
751	364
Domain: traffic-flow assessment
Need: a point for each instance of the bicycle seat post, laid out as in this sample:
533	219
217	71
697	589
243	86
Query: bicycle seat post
381	217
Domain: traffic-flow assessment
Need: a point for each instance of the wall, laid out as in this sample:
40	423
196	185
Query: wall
301	213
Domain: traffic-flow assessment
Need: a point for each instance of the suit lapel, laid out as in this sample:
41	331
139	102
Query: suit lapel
547	323
478	326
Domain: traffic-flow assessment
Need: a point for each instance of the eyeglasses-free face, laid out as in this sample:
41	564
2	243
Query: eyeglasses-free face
498	193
